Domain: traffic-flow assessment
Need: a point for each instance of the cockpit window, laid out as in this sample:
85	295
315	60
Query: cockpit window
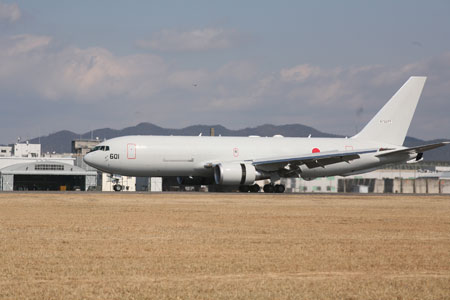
101	148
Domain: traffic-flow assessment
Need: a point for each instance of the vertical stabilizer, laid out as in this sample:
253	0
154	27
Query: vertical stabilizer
391	123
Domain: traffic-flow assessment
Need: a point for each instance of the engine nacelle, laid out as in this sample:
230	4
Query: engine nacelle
235	174
190	180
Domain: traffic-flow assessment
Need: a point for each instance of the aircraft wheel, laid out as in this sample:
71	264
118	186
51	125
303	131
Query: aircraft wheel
255	188
279	188
268	188
244	188
117	187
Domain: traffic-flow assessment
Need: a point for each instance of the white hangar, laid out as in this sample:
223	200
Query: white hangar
22	168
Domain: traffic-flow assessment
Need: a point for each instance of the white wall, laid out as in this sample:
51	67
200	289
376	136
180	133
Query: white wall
27	150
156	184
319	185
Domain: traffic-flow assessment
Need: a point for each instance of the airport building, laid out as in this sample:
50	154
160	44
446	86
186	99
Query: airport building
426	178
5	151
22	168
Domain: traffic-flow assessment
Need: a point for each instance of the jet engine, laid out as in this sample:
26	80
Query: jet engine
235	174
194	180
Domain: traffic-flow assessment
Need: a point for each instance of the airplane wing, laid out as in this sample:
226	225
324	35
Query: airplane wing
412	150
312	160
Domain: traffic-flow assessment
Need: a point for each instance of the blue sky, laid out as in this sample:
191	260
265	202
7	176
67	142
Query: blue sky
81	65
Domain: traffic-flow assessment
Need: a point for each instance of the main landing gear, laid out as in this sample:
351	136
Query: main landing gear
277	188
268	188
254	188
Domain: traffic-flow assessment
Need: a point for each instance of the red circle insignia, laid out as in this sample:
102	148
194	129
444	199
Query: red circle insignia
315	150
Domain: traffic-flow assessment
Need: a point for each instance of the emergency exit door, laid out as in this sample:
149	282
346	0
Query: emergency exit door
131	151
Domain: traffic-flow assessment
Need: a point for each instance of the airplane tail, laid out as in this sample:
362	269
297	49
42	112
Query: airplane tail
391	123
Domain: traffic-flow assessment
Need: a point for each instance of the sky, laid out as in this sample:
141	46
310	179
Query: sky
83	65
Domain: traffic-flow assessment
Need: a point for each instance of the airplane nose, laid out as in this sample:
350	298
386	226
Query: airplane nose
88	159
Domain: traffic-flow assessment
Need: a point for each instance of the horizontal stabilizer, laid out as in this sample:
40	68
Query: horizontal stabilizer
412	150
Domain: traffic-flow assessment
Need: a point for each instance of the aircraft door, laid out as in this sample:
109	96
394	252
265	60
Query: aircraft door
131	151
107	158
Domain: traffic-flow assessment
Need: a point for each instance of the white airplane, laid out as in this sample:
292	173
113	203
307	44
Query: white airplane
240	161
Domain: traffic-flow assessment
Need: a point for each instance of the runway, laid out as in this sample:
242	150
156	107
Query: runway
224	246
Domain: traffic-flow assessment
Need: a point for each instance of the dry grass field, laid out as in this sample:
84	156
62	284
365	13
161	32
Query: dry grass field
223	246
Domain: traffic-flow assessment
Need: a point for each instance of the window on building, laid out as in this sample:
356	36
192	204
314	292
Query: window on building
48	167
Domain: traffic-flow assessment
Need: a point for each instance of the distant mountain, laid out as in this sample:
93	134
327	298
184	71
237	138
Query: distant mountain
61	141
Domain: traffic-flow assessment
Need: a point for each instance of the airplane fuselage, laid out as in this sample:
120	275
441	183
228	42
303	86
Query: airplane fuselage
190	155
244	160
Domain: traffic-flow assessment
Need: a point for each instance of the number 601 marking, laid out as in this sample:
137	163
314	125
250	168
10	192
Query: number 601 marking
114	156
